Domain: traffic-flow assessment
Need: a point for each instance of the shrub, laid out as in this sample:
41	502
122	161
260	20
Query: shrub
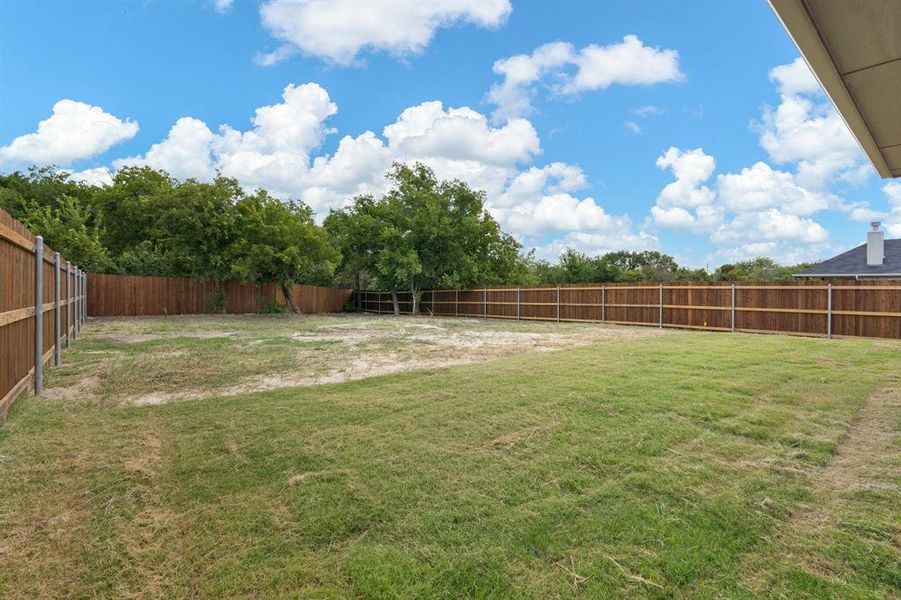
216	301
270	307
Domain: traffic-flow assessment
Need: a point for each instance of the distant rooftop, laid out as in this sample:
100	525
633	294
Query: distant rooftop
853	263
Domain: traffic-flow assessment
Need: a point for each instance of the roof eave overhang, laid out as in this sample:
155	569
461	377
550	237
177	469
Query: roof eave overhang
803	32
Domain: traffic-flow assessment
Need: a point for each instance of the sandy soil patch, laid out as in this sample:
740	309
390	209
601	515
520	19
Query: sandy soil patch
356	347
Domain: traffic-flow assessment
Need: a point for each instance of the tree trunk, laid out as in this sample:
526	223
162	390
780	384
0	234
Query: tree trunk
396	304
217	285
359	294
416	295
286	292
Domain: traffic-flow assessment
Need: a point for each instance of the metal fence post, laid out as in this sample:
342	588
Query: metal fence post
485	303
733	307
558	303
38	315
517	304
661	306
456	303
57	321
829	311
433	302
69	297
77	308
603	304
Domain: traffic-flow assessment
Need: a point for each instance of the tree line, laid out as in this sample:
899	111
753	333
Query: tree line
423	233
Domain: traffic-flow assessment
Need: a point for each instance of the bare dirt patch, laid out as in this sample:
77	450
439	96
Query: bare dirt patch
271	352
86	386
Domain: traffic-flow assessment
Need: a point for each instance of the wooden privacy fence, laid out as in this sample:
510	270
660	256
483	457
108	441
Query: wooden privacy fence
132	295
42	306
836	308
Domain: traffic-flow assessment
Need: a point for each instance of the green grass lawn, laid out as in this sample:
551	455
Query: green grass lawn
703	465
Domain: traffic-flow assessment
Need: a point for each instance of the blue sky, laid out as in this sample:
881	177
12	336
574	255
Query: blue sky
680	137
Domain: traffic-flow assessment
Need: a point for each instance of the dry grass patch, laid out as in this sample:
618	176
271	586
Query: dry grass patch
852	508
152	361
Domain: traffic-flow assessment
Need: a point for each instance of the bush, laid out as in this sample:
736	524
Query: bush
350	307
273	308
216	301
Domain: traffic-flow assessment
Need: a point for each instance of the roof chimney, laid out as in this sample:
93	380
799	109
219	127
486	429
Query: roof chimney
875	246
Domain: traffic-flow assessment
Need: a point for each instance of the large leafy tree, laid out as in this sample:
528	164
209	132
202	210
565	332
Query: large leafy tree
133	207
60	209
425	233
68	229
279	242
355	232
197	224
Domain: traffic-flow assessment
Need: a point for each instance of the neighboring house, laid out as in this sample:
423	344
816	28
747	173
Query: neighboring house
879	257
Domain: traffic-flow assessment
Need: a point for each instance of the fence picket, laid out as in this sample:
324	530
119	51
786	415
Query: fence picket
868	309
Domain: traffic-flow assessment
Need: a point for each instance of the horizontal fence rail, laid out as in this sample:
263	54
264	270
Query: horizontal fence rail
133	295
836	308
42	307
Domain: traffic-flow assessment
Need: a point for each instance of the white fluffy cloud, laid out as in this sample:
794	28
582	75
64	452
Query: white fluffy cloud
762	210
95	176
279	154
893	217
274	154
758	211
786	238
339	30
566	70
807	130
686	203
691	168
795	78
184	153
540	201
620	237
74	131
760	186
223	6
427	130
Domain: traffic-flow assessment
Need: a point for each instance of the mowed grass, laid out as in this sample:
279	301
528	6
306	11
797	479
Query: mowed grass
704	465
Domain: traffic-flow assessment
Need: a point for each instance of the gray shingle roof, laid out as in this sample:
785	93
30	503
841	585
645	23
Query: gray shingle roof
854	262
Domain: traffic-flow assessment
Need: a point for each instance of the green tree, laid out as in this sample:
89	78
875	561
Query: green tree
60	210
131	207
279	242
67	229
355	232
425	233
757	269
